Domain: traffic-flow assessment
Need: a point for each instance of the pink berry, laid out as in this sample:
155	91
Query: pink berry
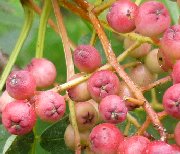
139	52
171	102
86	58
20	84
158	147
102	84
79	93
112	109
125	91
43	71
4	100
86	115
105	139
176	149
177	133
133	145
121	16
153	18
170	43
176	72
50	106
141	75
19	117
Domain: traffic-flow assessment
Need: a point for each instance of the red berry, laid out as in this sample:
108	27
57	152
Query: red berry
102	84
171	101
153	18
121	16
177	133
139	52
86	115
79	93
20	84
4	100
105	139
176	72
86	58
133	145
50	106
43	71
170	43
112	109
158	147
18	117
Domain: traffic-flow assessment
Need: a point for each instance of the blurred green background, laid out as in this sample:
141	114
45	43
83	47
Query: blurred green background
11	20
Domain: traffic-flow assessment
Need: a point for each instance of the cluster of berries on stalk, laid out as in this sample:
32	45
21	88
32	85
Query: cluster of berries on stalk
100	101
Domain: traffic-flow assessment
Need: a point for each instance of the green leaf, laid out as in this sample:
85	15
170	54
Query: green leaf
3	137
52	138
19	144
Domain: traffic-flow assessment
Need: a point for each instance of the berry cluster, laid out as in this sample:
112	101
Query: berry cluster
103	100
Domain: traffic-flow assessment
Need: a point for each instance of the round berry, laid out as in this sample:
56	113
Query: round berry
133	145
20	84
153	18
79	93
50	106
141	75
69	138
105	139
43	71
170	43
139	52
176	72
102	84
177	133
151	61
125	91
171	101
158	147
86	115
113	109
18	117
121	16
86	58
4	100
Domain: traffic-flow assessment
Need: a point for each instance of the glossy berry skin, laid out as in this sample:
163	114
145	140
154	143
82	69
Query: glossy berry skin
139	52
125	91
176	72
18	117
50	106
133	145
102	84
86	116
177	133
113	109
43	70
158	147
171	102
4	100
141	75
86	58
20	84
170	43
153	18
79	93
69	138
105	139
121	16
151	62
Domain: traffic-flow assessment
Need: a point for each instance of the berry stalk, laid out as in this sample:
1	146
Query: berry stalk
42	28
22	37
